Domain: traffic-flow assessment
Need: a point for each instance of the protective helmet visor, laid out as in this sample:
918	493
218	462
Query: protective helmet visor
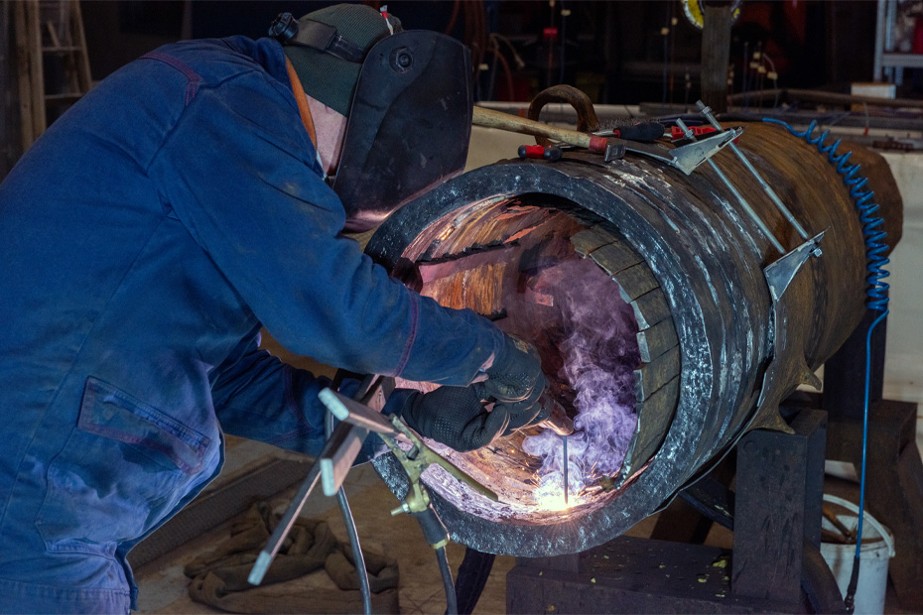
409	124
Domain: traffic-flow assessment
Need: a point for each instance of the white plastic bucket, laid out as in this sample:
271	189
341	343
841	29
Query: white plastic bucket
875	554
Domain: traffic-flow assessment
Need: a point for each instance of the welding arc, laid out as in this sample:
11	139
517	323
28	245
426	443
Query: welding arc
490	118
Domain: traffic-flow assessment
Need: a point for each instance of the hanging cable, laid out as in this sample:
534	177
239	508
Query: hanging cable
876	251
451	600
352	533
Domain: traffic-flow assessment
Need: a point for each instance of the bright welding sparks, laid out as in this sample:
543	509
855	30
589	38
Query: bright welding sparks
554	500
549	493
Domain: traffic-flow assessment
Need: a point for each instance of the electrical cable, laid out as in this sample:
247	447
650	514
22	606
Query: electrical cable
877	294
773	76
451	600
473	573
744	76
507	73
517	59
495	40
561	58
452	18
353	534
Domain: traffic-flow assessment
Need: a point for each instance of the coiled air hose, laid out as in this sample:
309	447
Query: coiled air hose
877	290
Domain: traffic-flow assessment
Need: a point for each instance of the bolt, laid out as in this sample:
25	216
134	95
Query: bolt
687	132
705	110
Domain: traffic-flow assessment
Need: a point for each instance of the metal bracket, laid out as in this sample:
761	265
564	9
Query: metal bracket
780	273
330	468
688	157
794	367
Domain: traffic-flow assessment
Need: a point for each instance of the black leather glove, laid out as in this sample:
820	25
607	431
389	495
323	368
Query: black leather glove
515	375
454	416
526	412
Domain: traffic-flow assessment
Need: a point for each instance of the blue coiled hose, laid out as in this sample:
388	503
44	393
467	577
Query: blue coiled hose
877	290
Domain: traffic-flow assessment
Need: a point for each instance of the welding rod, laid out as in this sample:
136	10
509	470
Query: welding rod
558	422
566	469
705	110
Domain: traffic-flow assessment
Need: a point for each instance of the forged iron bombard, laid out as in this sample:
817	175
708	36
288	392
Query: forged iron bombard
645	291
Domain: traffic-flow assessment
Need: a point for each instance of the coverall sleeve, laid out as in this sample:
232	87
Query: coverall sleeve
240	173
259	397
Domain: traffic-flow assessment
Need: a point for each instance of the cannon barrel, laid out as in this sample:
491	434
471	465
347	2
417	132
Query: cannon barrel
646	292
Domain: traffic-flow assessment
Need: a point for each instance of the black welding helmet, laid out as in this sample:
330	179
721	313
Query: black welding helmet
409	115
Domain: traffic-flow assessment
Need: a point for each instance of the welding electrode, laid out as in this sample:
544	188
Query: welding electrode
558	421
566	469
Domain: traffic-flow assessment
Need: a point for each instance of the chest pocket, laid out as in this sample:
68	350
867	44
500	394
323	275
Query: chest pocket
125	466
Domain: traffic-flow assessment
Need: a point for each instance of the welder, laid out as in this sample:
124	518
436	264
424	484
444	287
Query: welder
193	198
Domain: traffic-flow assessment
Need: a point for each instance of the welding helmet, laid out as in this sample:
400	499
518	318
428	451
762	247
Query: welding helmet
406	95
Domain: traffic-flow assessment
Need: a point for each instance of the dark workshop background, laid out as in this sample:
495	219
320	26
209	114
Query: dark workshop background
615	51
620	52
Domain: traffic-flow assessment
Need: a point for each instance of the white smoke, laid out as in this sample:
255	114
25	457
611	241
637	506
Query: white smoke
599	355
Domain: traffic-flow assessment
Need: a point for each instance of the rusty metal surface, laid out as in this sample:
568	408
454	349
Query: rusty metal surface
707	259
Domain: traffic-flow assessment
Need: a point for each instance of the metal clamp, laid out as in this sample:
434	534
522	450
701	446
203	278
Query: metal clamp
688	157
414	461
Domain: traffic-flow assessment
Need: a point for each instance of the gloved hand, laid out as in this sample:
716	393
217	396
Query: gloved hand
454	416
458	418
515	374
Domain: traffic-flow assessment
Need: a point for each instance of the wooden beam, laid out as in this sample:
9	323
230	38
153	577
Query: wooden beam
716	53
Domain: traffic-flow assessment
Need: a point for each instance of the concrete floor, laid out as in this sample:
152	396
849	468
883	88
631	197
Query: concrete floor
164	588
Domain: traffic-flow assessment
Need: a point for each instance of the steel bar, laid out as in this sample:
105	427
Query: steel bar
740	198
269	552
706	112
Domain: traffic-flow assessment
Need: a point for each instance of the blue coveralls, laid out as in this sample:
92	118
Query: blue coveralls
144	240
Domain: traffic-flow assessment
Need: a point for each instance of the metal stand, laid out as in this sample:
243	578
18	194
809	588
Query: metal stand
776	515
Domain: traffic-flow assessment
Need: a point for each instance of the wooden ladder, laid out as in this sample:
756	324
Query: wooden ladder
53	67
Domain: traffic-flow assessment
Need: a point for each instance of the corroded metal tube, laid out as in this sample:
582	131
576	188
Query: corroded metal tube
660	278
